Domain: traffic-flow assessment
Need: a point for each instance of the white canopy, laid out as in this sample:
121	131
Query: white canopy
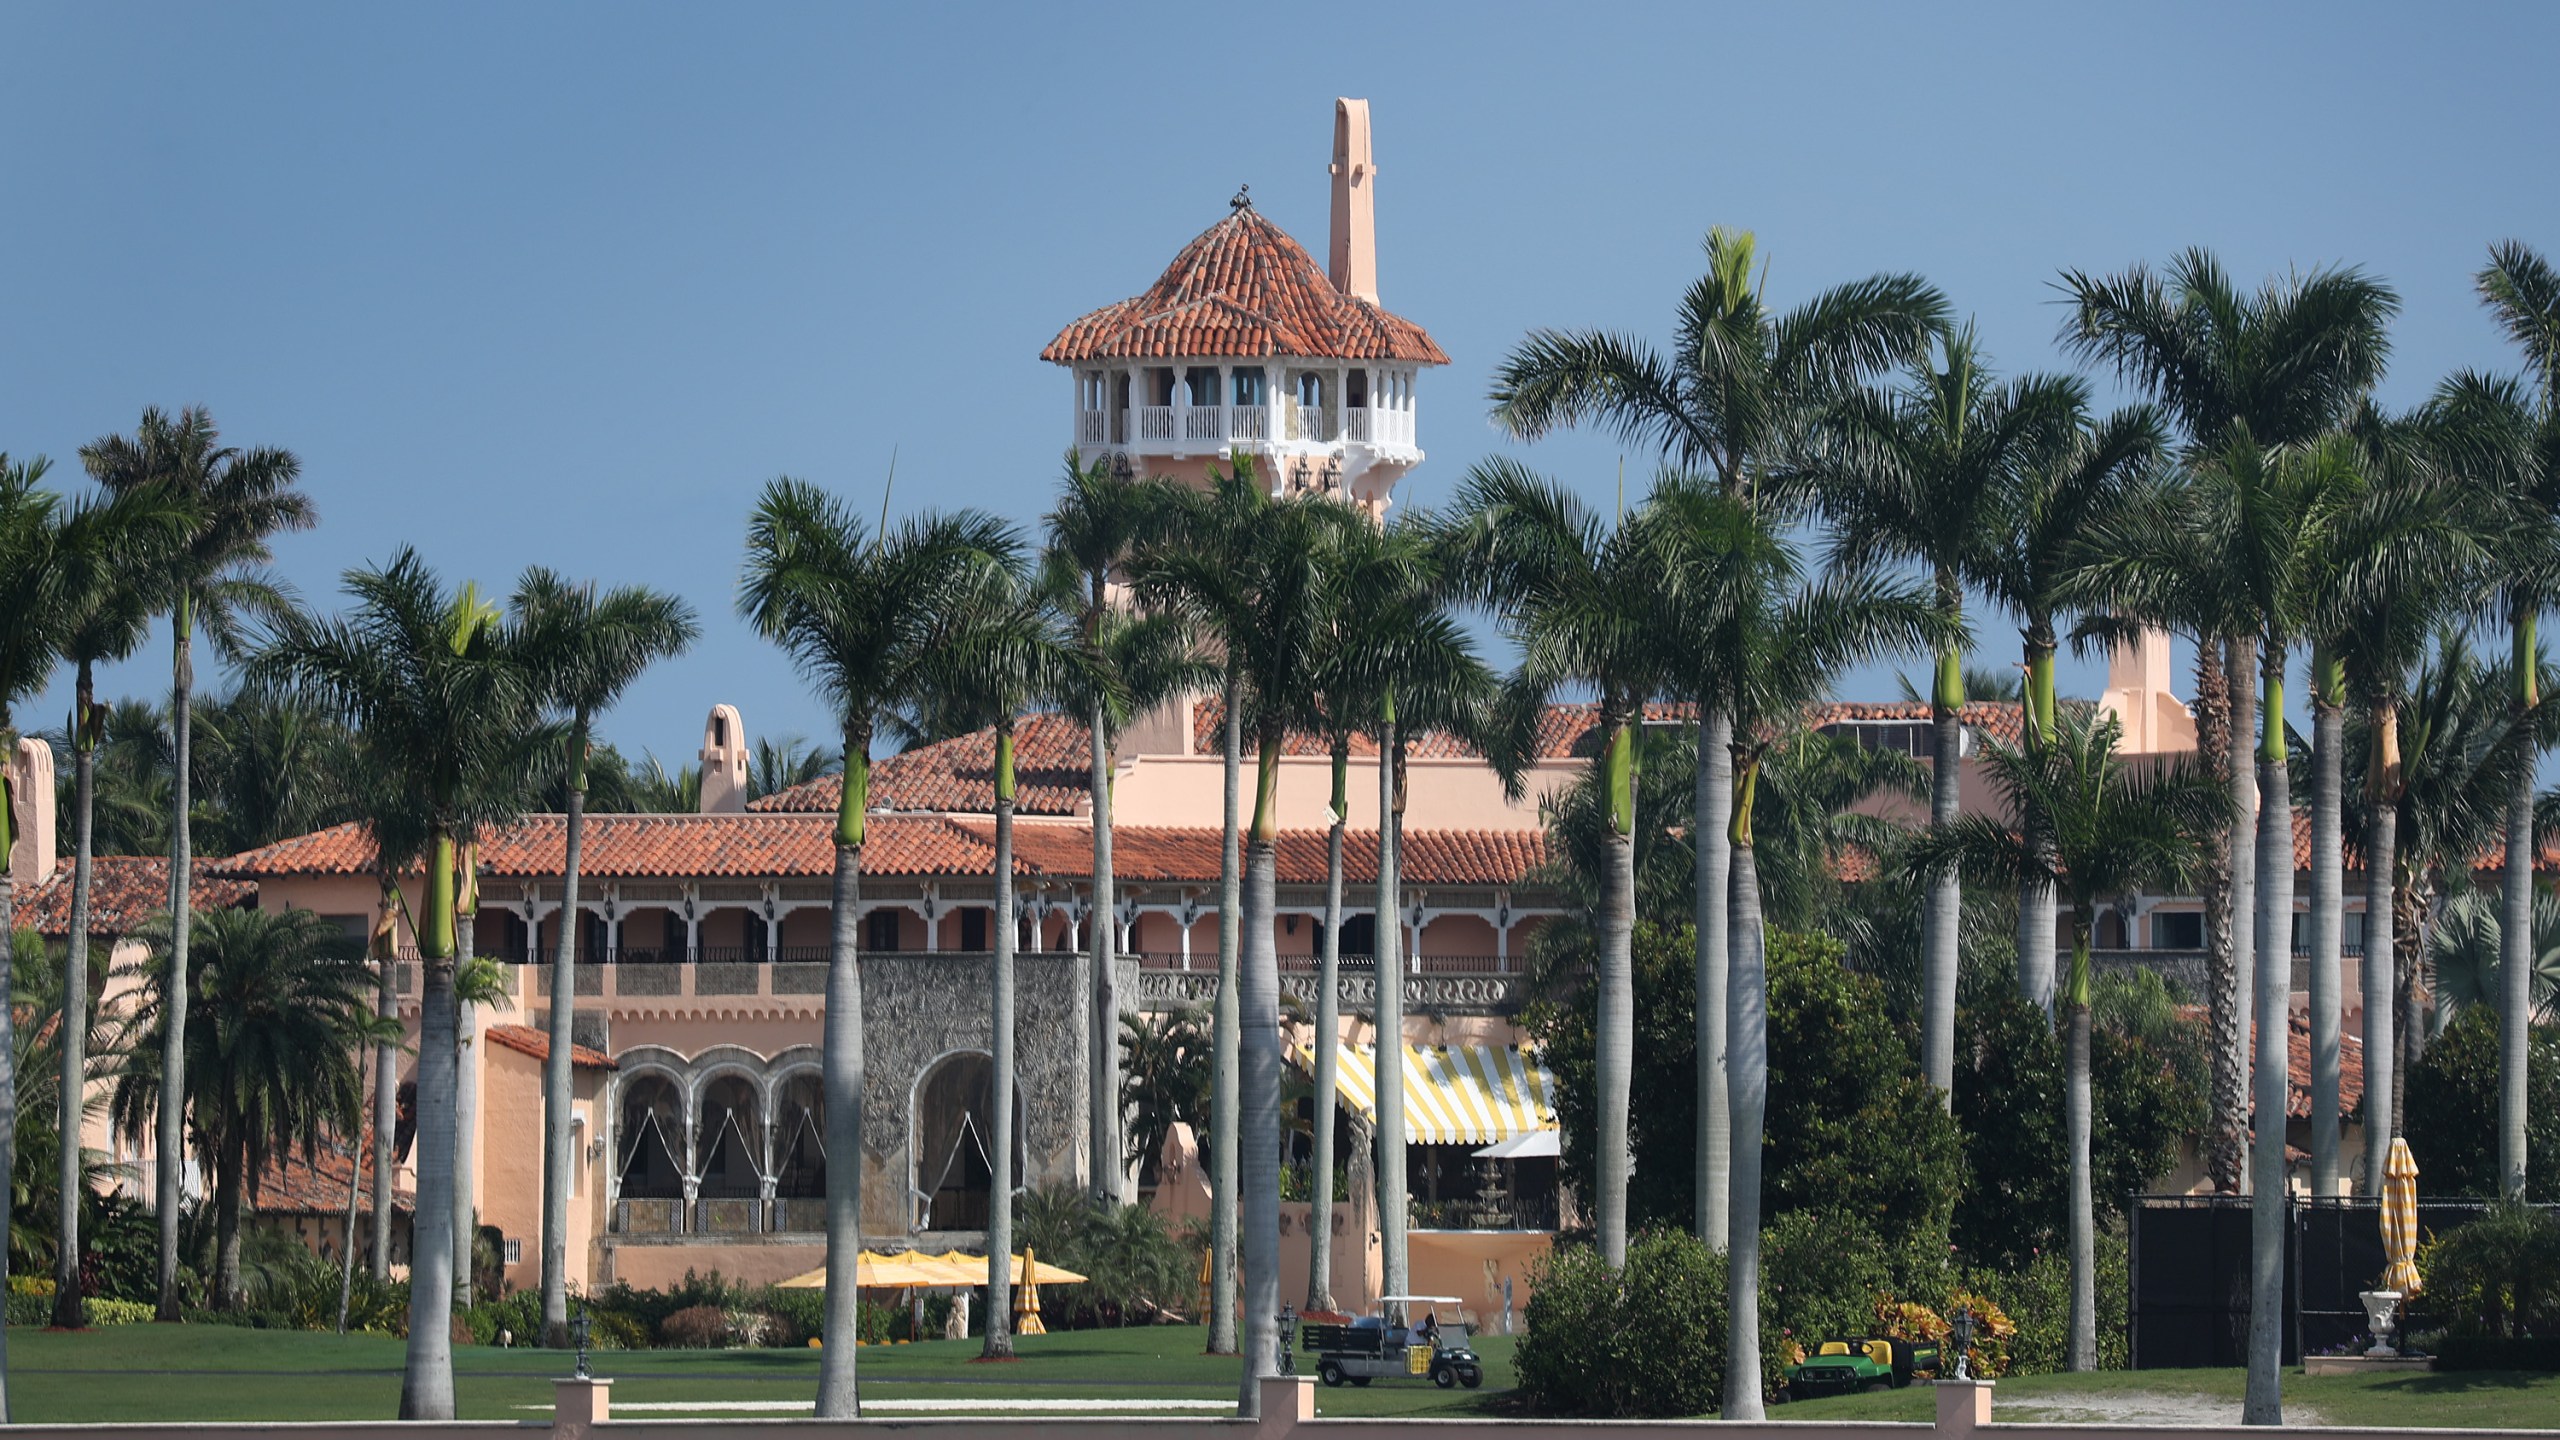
1536	1145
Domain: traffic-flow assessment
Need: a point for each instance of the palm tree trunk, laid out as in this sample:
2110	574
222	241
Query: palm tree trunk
1715	868
1225	1038
355	1191
1388	1092
1945	907
2328	919
386	1083
1102	1061
999	1328
1328	1041
2082	1336
1259	1130
466	1107
2241	661
556	1093
2263	1404
2038	902
230	1159
170	1155
1747	1049
426	1383
70	1309
841	1077
8	1035
1615	983
2380	965
2515	983
2227	1134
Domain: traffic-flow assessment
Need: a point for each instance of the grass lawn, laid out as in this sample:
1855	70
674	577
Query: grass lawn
208	1372
2490	1399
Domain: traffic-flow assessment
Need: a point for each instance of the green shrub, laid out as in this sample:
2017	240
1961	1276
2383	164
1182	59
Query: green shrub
26	1308
2491	1352
2497	1277
121	1312
2038	1300
614	1330
2453	1102
518	1316
798	1315
1646	1341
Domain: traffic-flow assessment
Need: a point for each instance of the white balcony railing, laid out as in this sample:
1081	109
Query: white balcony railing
1155	422
1204	422
1172	426
1355	424
1090	426
1248	422
1313	423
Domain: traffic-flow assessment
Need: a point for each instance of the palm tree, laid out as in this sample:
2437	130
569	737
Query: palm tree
111	623
2074	483
1742	382
270	1064
438	684
861	614
269	766
1267	601
1005	653
1784	643
2286	364
1090	536
1209	537
1579	596
2105	831
2522	290
238	499
588	648
1392	656
778	764
1923	474
2468	951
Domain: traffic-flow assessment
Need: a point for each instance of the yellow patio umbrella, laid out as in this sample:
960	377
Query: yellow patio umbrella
875	1271
2400	1219
1026	1315
1027	1270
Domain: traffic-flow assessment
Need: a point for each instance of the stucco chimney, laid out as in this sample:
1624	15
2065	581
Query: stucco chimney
1353	262
724	761
31	780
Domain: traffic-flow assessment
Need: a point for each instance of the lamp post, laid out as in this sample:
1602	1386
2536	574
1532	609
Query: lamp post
579	1330
1960	1330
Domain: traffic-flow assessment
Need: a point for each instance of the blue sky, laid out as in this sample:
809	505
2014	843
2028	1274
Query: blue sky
566	283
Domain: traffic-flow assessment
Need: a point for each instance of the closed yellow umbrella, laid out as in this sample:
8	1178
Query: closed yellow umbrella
1026	1316
2400	1219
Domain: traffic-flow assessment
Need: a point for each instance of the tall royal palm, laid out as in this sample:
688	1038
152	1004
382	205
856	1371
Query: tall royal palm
2522	290
237	499
434	679
2105	831
2271	522
587	648
2069	485
1208	536
1393	660
1578	594
49	573
1006	653
1743	380
2286	362
112	618
1783	644
1266	601
1921	474
862	615
1090	534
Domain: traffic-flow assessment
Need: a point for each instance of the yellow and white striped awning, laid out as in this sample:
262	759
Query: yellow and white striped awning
1453	1094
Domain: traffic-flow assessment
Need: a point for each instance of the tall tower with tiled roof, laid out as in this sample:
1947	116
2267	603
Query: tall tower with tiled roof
1245	346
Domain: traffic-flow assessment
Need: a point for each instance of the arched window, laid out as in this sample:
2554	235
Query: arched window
652	1120
954	1167
728	1139
800	1139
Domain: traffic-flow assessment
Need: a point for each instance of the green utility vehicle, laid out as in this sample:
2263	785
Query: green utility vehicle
1846	1367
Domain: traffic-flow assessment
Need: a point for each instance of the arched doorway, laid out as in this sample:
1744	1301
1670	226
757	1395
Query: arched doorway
953	1129
800	1139
727	1140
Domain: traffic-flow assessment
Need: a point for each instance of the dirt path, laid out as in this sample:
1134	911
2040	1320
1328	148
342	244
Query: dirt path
2142	1407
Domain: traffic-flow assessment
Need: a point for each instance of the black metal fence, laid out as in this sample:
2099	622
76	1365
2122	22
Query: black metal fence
2188	1303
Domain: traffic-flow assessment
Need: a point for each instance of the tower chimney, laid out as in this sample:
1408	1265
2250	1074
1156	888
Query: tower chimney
1353	258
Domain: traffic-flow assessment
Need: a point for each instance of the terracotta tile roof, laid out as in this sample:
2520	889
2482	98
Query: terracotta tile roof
291	1185
1243	288
1164	854
125	891
1052	760
659	846
2297	1101
525	1040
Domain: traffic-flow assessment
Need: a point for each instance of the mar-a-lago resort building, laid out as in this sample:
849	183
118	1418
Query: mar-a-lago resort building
703	938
